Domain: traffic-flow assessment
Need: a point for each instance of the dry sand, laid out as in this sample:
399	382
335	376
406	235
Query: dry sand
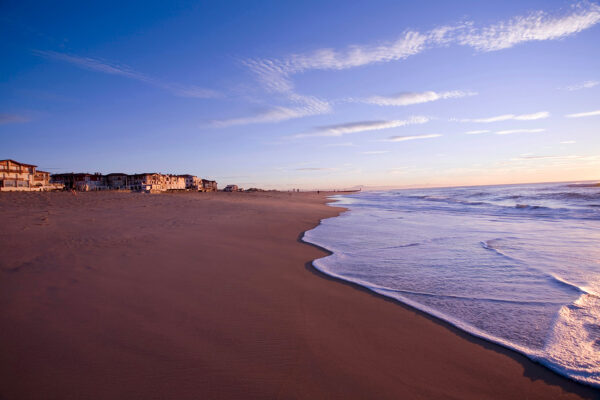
210	296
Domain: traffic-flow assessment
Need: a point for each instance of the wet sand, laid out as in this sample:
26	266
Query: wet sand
212	296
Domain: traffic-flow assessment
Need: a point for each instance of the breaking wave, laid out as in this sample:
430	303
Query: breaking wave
519	266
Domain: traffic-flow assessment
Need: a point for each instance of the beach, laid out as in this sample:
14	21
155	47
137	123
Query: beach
115	295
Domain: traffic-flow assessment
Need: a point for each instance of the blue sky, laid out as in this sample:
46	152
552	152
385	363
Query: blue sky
305	94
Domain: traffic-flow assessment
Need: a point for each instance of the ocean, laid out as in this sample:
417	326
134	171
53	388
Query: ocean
518	265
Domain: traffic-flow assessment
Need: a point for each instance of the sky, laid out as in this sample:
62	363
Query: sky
309	95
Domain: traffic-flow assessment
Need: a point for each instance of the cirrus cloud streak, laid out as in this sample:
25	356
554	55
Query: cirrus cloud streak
511	131
584	114
361	126
509	117
95	64
405	99
413	137
477	132
305	106
583	85
275	73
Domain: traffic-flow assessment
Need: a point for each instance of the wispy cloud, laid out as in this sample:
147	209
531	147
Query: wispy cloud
375	152
415	137
362	126
531	117
548	157
498	118
405	99
477	132
275	73
511	131
409	43
509	117
298	106
583	85
564	161
275	114
345	144
584	114
568	142
272	74
98	65
533	27
6	118
315	169
537	26
311	106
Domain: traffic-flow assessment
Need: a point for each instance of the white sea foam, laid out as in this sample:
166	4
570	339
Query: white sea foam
526	278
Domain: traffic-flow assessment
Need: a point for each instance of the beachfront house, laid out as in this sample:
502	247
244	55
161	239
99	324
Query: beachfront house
66	180
192	182
146	182
41	181
174	182
21	176
96	181
90	182
83	182
155	182
17	176
231	188
117	180
209	186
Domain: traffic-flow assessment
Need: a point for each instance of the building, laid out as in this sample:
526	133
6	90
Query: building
90	182
16	176
147	182
117	180
231	188
42	179
174	182
209	186
155	182
20	176
83	182
67	180
193	183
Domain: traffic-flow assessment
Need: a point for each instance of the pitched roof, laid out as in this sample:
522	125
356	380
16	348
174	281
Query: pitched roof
20	163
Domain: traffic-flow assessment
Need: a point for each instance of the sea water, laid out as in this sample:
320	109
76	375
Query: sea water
518	265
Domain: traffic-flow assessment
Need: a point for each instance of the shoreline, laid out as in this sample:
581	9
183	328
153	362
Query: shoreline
138	302
453	327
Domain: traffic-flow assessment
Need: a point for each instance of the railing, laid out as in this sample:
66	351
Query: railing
21	171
